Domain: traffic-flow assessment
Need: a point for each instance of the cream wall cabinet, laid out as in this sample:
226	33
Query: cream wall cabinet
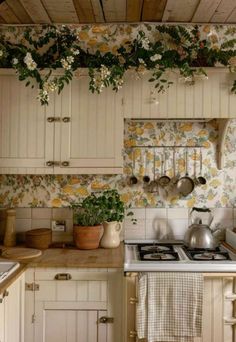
85	307
219	315
12	312
78	132
208	98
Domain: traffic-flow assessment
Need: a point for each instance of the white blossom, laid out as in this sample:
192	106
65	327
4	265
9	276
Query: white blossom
1	53
15	61
75	51
31	65
104	72
155	57
145	43
43	96
141	61
70	59
65	64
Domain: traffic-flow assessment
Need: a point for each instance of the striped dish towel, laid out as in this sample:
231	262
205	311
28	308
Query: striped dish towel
169	306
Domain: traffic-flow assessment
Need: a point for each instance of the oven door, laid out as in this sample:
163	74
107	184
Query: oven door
219	307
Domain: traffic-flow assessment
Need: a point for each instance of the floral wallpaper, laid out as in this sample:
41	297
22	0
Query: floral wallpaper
219	190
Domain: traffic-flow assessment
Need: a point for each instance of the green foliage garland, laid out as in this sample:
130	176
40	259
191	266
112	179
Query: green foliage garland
176	48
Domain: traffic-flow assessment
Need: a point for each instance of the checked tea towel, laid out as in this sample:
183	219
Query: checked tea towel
169	306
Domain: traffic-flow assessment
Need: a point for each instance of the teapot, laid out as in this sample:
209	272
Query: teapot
199	235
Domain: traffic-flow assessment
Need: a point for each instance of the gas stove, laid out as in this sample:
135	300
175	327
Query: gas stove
173	256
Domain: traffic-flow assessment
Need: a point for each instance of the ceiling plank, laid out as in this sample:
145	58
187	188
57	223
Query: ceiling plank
36	11
205	10
232	17
97	10
134	10
19	11
223	11
114	10
153	10
61	11
7	14
2	21
181	10
84	11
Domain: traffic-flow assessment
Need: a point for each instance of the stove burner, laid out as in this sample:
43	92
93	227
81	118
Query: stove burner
160	256
155	248
207	255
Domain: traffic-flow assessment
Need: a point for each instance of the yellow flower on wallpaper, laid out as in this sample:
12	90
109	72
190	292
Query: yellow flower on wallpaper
74	180
191	202
130	143
210	196
103	47
139	131
82	191
203	133
96	185
34	203
132	128
148	125
83	35
137	153
191	142
68	189
151	199
215	183
92	42
187	127
99	29
126	197
213	171
56	202
224	200
206	144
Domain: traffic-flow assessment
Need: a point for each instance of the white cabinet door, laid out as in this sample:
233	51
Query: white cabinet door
25	140
14	312
92	141
207	98
2	319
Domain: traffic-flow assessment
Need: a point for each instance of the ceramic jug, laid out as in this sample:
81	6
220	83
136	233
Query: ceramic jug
111	235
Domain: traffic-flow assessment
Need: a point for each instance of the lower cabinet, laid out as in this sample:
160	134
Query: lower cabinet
12	312
219	308
73	305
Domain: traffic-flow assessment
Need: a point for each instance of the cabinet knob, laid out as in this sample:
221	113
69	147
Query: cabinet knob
66	119
105	319
63	276
49	163
65	163
5	294
51	119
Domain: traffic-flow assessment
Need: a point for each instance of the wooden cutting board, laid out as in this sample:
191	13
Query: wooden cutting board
21	253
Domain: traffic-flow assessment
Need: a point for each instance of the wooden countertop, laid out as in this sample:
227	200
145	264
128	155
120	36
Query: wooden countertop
60	257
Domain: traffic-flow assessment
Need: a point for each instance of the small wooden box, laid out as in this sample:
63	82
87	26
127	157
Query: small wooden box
40	238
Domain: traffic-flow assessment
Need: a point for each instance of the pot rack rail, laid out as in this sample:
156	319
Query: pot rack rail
166	146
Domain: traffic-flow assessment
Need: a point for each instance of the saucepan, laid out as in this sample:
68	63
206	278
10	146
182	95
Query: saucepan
185	184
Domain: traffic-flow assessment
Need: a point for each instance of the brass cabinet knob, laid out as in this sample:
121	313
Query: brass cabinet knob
106	320
66	119
49	163
65	163
5	294
63	276
50	119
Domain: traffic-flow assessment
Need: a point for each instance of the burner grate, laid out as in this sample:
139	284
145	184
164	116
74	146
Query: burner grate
157	252
207	254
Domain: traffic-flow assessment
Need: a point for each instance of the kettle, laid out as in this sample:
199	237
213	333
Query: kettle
199	235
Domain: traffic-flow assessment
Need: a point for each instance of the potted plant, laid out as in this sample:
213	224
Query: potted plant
88	218
105	208
114	208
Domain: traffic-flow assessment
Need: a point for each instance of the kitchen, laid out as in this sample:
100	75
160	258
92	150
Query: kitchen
112	128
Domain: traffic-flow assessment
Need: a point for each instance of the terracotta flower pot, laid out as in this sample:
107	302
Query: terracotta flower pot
87	237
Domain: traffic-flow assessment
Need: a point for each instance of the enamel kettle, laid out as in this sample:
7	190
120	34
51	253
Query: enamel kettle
199	235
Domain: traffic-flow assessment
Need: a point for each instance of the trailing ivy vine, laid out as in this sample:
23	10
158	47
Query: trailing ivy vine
176	47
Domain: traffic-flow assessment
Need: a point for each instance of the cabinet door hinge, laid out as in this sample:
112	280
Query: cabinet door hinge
33	318
31	287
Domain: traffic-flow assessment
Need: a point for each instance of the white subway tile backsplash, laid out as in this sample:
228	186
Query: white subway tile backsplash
41	213
41	223
177	213
138	213
156	213
178	227
62	213
157	229
22	225
23	213
134	231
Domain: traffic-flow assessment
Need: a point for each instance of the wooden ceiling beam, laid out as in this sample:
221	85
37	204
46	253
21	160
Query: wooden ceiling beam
153	10
181	10
98	11
7	14
36	11
223	11
84	11
205	11
19	11
62	11
114	10
134	10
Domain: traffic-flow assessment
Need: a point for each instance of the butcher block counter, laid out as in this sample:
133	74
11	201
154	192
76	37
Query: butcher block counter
63	257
